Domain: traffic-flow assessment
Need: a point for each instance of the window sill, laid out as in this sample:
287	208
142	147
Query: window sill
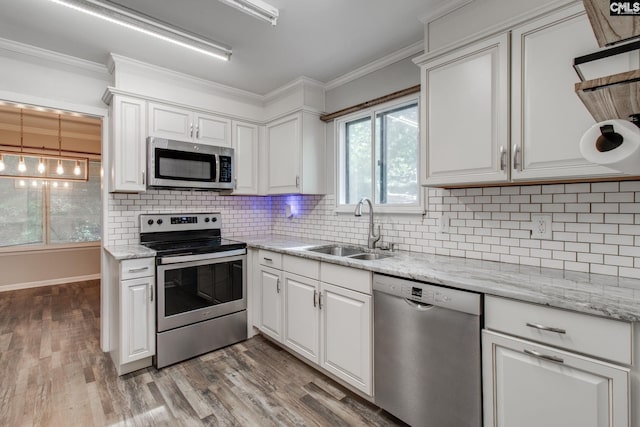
379	210
48	248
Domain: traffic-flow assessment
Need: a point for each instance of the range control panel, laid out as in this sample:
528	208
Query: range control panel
153	223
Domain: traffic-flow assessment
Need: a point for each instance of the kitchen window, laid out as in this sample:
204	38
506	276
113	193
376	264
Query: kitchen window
50	213
378	158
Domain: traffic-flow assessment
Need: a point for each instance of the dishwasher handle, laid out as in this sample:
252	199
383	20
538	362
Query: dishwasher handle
418	306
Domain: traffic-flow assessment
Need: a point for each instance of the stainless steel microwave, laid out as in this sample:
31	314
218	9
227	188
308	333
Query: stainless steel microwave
179	164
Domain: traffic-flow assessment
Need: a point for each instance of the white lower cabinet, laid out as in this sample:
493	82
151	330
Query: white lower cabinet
329	324
346	336
534	376
271	302
530	385
133	315
302	316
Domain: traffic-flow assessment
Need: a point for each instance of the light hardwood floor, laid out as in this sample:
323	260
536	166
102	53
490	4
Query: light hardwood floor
53	373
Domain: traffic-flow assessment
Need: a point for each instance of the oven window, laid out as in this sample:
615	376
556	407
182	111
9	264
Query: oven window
184	166
193	288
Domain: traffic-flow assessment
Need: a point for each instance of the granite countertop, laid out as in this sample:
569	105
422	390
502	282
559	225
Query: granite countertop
121	252
609	296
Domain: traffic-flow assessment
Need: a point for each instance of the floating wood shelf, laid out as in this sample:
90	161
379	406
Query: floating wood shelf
610	29
611	97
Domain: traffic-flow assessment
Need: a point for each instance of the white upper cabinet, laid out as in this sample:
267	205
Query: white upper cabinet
128	144
185	125
505	110
465	115
295	161
245	144
548	119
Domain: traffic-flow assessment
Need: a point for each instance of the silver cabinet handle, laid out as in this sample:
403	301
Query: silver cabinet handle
191	130
503	158
151	290
235	183
320	300
137	270
546	328
143	178
197	131
267	259
278	285
516	152
297	180
548	357
315	297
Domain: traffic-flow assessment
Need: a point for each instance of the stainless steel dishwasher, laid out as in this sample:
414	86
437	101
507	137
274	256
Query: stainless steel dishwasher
427	368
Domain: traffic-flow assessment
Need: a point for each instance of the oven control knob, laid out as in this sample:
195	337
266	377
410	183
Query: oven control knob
159	221
214	219
150	222
206	220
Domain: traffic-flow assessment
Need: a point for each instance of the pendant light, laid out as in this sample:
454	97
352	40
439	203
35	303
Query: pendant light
41	166
22	167
59	169
77	170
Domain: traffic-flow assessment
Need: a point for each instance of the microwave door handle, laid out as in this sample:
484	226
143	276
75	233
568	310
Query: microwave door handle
217	168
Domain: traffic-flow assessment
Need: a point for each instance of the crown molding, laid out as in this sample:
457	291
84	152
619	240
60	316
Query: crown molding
292	85
49	55
116	59
442	9
376	65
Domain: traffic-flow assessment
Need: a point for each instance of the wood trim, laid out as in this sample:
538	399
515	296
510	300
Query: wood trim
367	104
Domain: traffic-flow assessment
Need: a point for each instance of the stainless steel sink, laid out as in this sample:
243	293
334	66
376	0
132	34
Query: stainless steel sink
337	250
369	256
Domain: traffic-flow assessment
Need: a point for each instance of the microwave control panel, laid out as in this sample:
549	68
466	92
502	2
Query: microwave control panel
225	169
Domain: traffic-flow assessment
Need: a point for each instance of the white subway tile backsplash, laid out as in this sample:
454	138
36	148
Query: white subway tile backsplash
596	227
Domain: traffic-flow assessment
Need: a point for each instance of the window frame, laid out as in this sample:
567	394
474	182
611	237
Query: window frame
340	159
45	245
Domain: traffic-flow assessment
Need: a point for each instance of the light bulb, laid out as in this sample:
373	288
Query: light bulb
34	184
59	169
21	166
66	185
55	184
21	183
1	162
76	170
41	167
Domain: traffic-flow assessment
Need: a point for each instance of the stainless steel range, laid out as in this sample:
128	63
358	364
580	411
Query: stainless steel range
201	285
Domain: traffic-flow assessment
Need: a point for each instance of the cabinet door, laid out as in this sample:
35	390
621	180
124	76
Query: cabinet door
524	388
271	303
170	122
212	130
137	319
283	151
465	115
302	316
128	148
548	118
346	335
245	144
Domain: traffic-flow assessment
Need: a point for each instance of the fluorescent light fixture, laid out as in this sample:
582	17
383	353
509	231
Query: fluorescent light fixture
255	8
147	25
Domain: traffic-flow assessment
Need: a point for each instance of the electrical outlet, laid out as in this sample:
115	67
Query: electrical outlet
443	225
541	226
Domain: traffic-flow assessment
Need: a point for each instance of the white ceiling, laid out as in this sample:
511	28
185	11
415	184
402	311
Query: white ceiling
320	39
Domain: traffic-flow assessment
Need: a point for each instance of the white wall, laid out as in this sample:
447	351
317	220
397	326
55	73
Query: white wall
48	267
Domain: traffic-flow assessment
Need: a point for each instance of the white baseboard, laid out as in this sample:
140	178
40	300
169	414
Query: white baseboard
51	282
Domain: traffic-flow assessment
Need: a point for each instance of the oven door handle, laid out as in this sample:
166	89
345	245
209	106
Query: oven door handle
200	257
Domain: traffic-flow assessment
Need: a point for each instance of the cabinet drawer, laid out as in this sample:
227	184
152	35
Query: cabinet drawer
347	277
134	268
301	266
270	259
597	336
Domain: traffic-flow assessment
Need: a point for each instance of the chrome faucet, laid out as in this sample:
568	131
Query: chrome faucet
373	236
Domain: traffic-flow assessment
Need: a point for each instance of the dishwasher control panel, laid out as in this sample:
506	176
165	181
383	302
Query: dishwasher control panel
426	293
